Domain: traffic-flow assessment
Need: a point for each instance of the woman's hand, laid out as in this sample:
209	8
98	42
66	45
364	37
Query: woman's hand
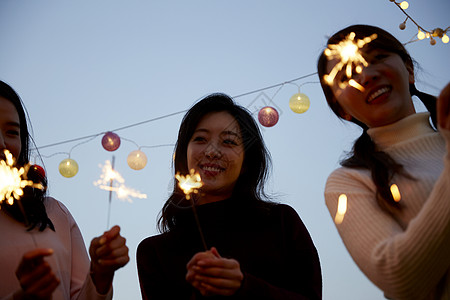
212	274
36	276
108	253
443	108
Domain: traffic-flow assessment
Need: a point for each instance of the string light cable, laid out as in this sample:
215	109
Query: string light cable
137	159
422	33
92	136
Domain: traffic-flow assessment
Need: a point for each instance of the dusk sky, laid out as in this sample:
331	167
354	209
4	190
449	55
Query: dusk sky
86	67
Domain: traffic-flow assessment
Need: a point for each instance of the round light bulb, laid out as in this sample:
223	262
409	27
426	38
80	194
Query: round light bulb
110	141
420	35
432	41
299	103
402	26
68	168
404	5
445	39
268	116
137	160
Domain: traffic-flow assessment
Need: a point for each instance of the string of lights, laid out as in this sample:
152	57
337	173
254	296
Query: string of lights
137	160
422	33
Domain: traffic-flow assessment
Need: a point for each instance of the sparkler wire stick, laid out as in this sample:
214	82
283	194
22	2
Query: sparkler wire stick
190	184
198	224
110	192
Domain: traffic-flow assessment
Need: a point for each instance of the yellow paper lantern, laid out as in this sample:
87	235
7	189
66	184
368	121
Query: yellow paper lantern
137	160
68	168
299	103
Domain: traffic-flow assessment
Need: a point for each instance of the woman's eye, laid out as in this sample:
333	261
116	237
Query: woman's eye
198	139
230	142
13	132
377	57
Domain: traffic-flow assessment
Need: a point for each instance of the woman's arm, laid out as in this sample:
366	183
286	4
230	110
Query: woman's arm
406	263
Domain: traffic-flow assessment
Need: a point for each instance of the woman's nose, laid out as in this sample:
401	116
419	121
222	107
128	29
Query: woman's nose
212	151
366	76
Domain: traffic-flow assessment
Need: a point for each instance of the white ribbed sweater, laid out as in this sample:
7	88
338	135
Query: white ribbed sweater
406	256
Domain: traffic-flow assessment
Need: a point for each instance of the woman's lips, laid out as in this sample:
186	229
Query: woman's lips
379	94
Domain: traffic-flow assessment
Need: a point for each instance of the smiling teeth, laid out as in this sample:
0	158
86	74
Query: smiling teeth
377	93
211	169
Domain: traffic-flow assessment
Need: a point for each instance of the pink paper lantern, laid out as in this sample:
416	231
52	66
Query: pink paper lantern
268	116
110	141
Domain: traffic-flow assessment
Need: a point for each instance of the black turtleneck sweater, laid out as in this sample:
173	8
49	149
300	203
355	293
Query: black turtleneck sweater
270	242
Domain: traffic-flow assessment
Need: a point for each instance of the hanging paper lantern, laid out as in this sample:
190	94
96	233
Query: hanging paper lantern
37	169
111	141
137	160
268	116
299	103
68	168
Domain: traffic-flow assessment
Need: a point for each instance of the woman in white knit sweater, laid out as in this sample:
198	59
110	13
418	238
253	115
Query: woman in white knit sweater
402	246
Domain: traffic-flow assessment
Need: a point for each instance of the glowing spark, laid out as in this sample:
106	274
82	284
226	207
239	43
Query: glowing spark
12	181
123	192
189	183
342	209
348	55
108	174
355	84
395	193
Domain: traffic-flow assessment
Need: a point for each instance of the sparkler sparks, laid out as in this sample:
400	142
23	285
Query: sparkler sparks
189	183
341	210
12	180
395	193
348	54
123	192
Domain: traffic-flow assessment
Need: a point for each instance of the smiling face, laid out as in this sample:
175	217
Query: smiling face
216	152
385	98
9	129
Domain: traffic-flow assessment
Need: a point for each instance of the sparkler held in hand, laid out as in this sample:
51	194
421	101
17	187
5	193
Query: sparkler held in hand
190	184
111	180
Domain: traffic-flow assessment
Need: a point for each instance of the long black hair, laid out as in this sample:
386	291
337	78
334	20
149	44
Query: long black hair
364	153
31	209
256	164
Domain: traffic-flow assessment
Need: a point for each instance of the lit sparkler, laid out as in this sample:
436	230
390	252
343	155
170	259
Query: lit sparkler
12	180
190	184
348	54
341	210
106	182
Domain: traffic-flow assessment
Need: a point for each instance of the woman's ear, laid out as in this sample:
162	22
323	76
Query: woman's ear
411	74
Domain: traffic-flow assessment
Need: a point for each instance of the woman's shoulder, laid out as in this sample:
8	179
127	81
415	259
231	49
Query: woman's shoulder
281	210
55	207
154	240
350	178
